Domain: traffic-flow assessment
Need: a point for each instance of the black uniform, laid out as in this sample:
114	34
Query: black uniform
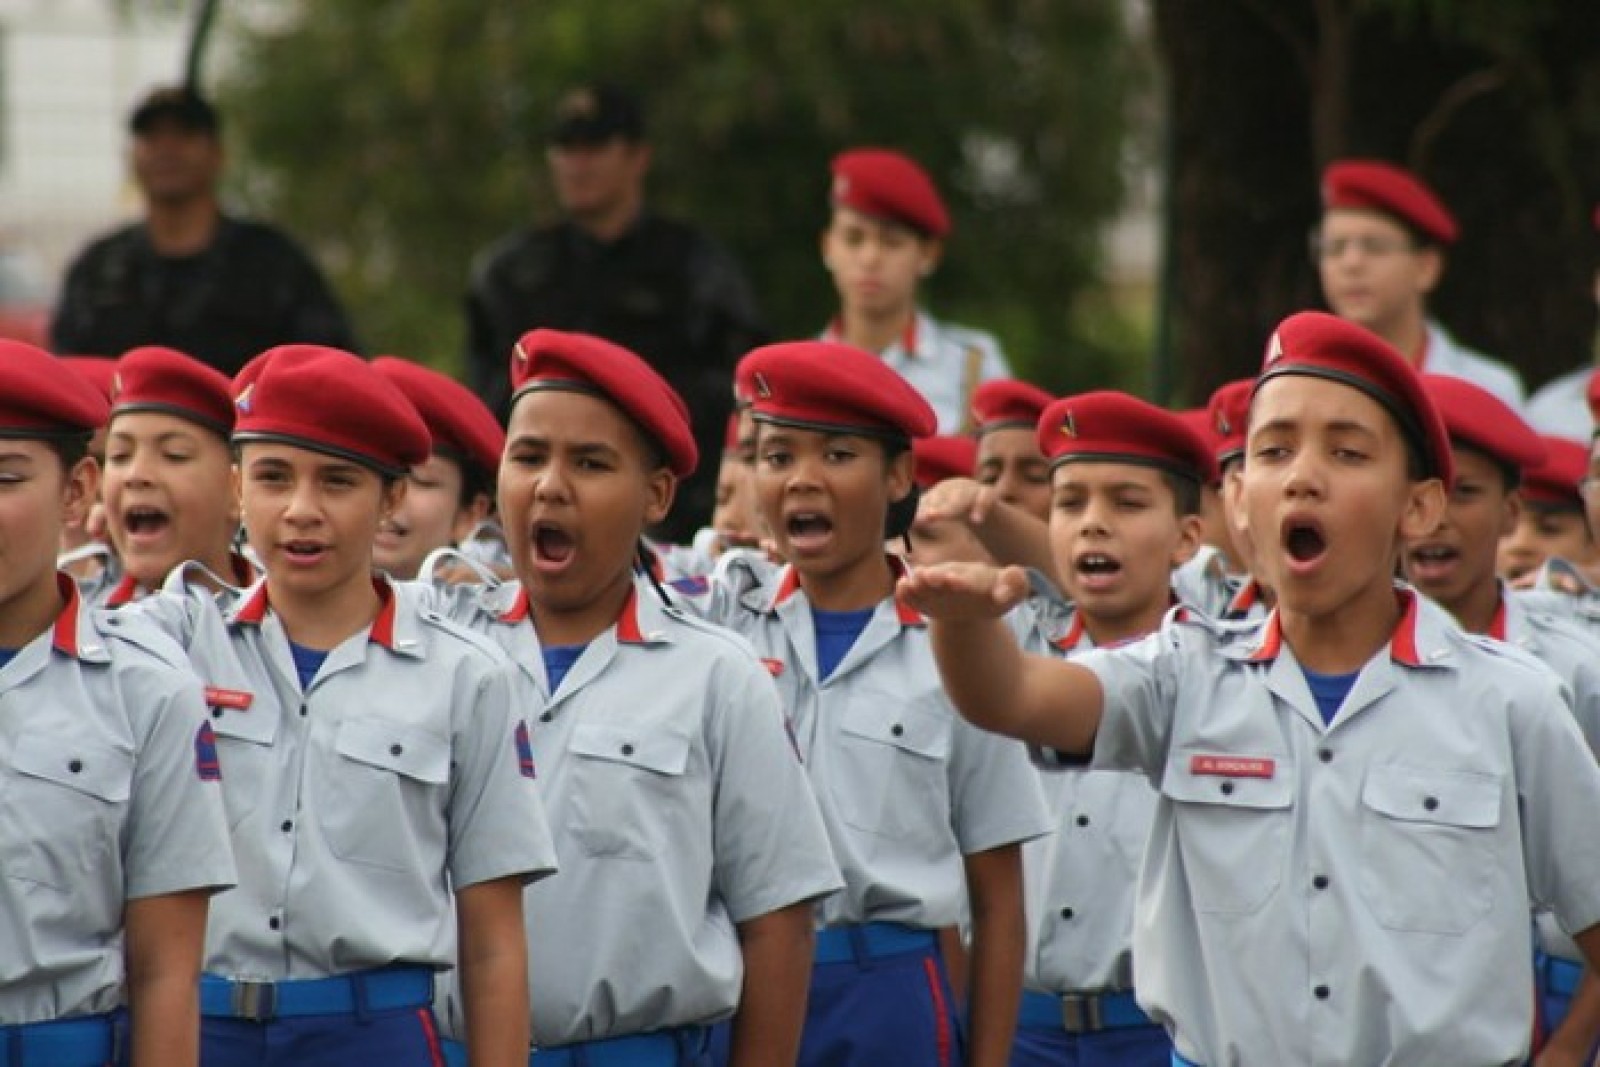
663	290
253	288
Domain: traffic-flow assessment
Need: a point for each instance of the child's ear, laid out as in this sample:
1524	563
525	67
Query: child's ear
1191	535
902	470
1424	509
79	490
661	486
1512	514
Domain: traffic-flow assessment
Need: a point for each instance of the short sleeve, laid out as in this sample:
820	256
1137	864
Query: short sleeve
995	797
1140	683
1558	782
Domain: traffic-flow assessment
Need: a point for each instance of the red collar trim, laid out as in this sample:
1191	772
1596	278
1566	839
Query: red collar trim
789	584
253	612
1068	641
628	629
65	635
122	593
1402	646
519	609
1497	625
1248	596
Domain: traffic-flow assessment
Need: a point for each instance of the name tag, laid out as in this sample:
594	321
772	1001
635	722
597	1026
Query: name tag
1233	766
237	699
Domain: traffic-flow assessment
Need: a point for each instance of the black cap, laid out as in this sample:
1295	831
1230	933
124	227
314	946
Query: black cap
176	103
593	114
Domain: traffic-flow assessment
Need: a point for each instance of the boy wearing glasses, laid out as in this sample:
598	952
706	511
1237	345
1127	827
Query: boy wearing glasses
1380	251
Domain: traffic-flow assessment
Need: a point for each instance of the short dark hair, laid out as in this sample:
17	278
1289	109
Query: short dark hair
70	449
180	104
595	113
1185	491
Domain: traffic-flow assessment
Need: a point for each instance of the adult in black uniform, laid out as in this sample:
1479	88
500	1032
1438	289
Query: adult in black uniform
188	275
611	268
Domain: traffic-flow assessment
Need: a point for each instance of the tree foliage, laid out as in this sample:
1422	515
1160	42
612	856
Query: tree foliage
399	137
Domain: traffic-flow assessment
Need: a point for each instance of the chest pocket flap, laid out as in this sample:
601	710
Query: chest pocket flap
257	724
648	747
1470	799
393	747
1181	783
95	769
909	728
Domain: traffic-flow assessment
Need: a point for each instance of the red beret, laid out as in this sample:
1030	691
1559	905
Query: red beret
1005	402
552	359
1368	185
461	425
330	401
1323	346
166	381
1228	412
1118	428
37	400
888	185
1555	479
943	457
823	385
1477	419
96	370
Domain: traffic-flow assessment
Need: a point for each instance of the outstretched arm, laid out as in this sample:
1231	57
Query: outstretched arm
1007	532
1047	702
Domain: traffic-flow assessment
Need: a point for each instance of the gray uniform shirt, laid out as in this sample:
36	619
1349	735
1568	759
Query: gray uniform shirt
680	810
1356	893
907	787
108	793
357	804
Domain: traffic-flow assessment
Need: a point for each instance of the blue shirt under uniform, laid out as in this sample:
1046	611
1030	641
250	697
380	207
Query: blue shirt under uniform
836	632
1329	691
307	662
558	660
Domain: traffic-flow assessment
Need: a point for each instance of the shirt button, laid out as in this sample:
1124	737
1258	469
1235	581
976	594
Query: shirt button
302	711
75	766
1319	882
287	825
1321	992
395	750
1430	803
1066	913
1325	755
1227	789
216	713
1083	820
274	922
546	716
897	730
627	750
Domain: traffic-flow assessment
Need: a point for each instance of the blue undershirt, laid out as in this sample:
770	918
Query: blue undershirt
1329	690
558	660
836	631
307	662
7	655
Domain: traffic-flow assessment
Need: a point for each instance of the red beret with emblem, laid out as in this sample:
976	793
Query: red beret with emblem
943	457
1475	418
96	370
578	362
329	401
462	426
1112	427
888	185
1228	412
37	400
830	387
1554	480
1319	345
1370	185
167	382
1005	403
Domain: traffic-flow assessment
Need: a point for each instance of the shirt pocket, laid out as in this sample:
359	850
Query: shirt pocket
625	778
1427	838
63	810
1232	834
893	779
247	756
386	793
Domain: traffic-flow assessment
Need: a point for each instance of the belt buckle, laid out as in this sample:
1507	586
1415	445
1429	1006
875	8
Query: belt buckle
1080	1013
254	1001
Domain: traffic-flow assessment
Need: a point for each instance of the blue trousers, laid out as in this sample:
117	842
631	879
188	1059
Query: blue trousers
1133	1046
897	1010
406	1037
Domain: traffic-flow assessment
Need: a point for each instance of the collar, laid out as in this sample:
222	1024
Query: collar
123	592
391	628
1069	641
910	338
73	634
1416	641
789	585
1497	625
1241	603
630	631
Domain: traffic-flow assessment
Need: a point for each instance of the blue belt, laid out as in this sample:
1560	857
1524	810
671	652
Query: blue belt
81	1042
1081	1013
871	941
665	1048
1560	976
385	989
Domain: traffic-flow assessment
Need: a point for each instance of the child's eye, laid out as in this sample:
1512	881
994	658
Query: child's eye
775	459
1349	455
1270	453
840	455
